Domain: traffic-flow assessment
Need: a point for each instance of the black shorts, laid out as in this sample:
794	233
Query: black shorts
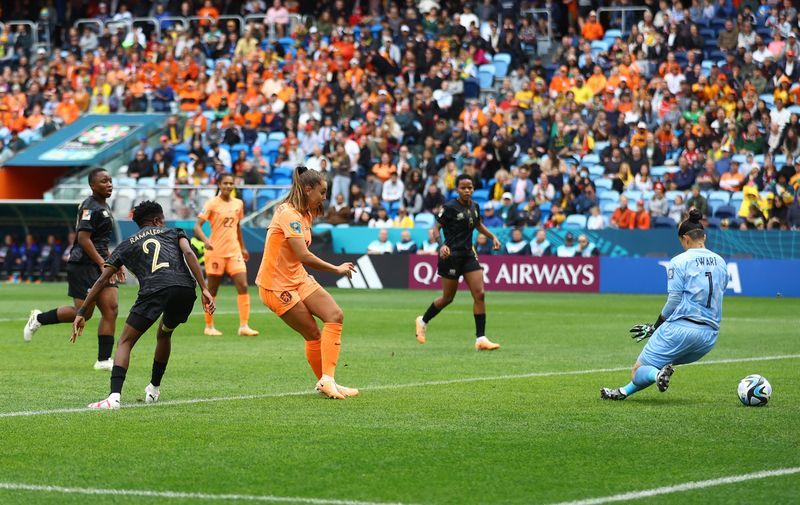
176	303
456	266
81	277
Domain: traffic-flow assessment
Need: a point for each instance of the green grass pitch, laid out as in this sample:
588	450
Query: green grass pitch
537	439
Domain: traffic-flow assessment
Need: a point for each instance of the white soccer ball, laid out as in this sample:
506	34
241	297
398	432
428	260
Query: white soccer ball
754	391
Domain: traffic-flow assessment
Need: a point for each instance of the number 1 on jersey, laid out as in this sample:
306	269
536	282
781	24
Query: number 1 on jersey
710	289
156	252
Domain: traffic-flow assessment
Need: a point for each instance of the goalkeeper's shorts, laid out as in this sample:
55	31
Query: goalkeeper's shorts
678	342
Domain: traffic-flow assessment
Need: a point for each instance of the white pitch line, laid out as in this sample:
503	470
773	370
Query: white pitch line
679	488
14	486
444	382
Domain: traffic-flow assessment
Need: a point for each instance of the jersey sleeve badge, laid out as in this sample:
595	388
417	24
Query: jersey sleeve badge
86	215
296	227
670	273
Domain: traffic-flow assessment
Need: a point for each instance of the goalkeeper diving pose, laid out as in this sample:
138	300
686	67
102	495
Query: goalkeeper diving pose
688	325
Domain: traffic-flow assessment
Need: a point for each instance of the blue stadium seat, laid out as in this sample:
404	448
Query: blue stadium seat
238	147
501	61
272	146
736	199
608	207
672	194
600	145
723	196
424	220
574	222
480	196
658	171
486	76
596	173
276	136
664	222
633	194
602	184
590	160
726	211
612	34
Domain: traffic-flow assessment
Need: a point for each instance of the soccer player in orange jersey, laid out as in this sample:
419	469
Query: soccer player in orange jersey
286	288
225	251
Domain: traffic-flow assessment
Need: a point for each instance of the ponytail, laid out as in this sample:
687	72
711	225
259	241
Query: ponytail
692	226
301	178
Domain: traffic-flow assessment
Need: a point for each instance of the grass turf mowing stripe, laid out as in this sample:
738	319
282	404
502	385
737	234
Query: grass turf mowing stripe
190	401
678	488
13	486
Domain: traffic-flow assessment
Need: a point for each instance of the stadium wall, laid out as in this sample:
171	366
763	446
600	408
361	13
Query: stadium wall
748	277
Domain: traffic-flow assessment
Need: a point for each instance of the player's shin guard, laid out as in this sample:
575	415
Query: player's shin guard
243	302
105	344
480	325
314	356
117	379
430	313
330	346
645	376
49	317
209	319
158	373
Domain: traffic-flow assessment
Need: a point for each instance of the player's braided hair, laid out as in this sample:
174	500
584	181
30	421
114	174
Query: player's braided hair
692	226
301	178
146	211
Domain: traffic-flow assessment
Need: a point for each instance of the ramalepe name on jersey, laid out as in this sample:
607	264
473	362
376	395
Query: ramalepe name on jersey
146	233
706	261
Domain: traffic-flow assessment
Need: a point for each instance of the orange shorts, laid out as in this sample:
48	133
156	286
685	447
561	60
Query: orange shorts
280	302
231	265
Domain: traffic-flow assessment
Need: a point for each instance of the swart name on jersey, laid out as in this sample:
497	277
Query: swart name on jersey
705	261
147	233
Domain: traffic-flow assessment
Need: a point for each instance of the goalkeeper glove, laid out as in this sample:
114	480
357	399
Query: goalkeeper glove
642	331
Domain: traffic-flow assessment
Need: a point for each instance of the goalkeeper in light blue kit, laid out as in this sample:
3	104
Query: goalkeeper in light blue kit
687	328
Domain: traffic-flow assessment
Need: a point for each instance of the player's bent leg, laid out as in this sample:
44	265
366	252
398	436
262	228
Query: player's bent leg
449	289
63	314
321	304
133	330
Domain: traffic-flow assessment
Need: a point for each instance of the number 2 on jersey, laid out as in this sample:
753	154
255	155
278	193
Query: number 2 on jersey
156	252
710	289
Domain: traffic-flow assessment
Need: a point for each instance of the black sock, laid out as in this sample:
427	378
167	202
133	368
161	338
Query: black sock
49	317
117	378
105	343
430	313
158	372
480	325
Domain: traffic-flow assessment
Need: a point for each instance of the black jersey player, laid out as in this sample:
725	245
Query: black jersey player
94	228
459	218
166	267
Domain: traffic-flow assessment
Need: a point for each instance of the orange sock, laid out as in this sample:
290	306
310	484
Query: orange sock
209	320
331	345
314	356
243	301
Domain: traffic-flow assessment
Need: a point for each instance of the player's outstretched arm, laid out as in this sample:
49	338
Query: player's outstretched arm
91	297
308	258
194	267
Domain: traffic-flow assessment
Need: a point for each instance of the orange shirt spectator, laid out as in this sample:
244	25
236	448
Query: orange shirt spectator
67	110
473	117
623	217
641	218
592	30
597	82
208	10
189	97
384	169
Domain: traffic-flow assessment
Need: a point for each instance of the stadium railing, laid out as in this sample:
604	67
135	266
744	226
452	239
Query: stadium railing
179	201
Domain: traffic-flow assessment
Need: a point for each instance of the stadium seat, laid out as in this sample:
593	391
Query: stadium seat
633	194
720	195
612	34
713	222
590	159
146	182
248	196
736	199
124	182
768	99
239	147
608	207
272	146
600	145
726	211
424	220
480	196
574	222
596	173
486	76
672	194
658	171
164	198
123	202
501	61
602	184
261	138
281	181
276	136
164	182
663	222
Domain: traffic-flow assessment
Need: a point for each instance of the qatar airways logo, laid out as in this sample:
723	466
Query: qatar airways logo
519	274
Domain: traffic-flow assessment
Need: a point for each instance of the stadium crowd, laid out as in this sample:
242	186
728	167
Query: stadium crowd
692	105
